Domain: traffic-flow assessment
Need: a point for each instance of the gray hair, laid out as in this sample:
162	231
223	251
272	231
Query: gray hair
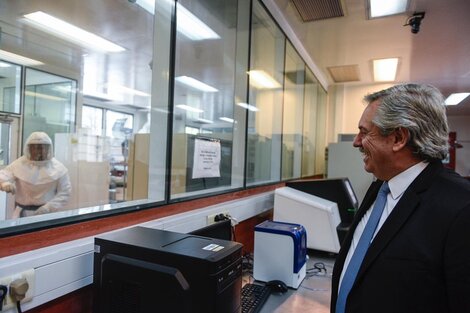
421	110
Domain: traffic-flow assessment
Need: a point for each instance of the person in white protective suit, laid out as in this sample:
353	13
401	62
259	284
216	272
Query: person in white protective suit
40	183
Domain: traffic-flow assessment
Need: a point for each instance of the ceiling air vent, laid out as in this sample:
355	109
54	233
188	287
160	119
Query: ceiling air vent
314	10
345	73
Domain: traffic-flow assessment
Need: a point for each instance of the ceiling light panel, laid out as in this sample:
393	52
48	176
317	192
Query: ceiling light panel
456	98
385	70
248	106
18	59
196	84
186	23
381	8
69	32
189	108
262	80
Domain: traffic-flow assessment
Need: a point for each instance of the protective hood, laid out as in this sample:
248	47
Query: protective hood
35	139
37	172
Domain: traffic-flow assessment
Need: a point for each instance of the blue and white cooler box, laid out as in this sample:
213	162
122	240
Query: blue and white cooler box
280	253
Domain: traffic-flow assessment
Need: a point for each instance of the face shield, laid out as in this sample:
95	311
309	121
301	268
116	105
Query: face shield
38	152
38	147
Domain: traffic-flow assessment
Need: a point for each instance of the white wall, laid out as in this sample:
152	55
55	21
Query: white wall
348	102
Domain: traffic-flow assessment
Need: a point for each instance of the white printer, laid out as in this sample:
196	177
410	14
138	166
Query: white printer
319	216
280	253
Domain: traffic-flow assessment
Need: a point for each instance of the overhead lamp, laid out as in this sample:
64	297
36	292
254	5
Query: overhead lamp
385	70
381	8
189	108
18	59
112	88
70	32
186	23
248	106
456	98
191	26
43	96
261	79
3	64
227	119
194	83
205	121
89	93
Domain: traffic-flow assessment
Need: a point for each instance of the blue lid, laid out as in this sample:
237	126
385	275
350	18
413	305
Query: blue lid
298	234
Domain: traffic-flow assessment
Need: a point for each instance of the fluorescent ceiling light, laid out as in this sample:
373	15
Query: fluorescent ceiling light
147	5
101	96
43	96
456	98
3	64
227	119
186	22
192	27
189	108
380	8
194	83
18	59
248	106
203	120
261	79
385	70
70	32
123	89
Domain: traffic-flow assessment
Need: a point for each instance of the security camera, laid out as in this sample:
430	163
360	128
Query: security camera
415	21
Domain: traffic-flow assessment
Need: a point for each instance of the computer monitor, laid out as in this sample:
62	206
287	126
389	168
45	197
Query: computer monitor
319	217
218	230
338	190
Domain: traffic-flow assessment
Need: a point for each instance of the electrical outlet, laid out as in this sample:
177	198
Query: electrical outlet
9	302
211	218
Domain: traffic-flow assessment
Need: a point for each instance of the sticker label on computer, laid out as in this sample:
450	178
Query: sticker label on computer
213	247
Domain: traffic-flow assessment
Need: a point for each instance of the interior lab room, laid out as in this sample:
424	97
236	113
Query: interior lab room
193	148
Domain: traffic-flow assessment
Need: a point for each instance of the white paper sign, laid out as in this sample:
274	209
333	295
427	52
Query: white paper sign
206	161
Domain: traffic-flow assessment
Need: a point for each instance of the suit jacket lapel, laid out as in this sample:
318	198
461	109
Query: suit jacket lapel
400	214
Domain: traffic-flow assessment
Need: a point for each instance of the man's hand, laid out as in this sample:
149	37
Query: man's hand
8	187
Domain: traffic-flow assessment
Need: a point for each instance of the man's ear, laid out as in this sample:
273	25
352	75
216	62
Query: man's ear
401	136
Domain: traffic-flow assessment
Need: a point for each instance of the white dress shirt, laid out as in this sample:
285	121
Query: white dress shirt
397	185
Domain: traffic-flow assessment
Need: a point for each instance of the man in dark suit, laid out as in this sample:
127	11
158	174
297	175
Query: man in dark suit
418	260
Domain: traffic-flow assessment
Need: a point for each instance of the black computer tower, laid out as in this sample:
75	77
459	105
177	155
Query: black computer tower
140	269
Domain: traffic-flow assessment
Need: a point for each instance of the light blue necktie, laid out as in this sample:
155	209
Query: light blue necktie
361	248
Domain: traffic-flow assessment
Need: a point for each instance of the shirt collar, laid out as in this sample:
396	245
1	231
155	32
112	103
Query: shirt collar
400	182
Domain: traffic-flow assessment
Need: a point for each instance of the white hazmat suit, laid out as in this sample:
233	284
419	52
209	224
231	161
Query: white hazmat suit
41	184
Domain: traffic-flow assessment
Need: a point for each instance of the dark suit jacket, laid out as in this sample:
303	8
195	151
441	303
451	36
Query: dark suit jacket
419	261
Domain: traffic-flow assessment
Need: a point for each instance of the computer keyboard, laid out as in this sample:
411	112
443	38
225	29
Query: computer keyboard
254	297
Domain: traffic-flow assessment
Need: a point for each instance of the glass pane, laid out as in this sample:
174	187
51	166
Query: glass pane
49	103
203	123
265	99
4	142
310	124
294	77
70	83
320	141
10	82
92	120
